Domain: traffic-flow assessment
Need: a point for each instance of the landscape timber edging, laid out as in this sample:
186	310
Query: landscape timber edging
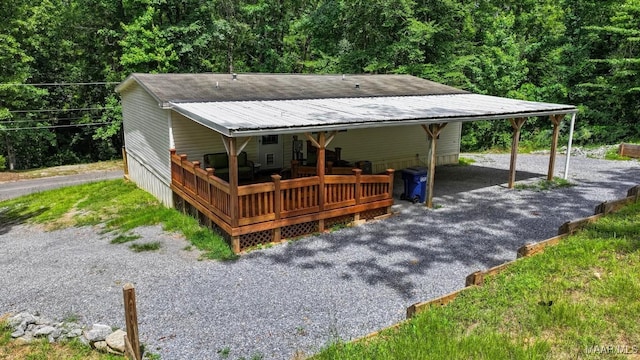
477	278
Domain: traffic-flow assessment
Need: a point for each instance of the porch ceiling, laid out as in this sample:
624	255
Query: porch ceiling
263	117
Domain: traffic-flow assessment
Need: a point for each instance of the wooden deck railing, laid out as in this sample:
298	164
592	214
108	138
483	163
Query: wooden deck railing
278	199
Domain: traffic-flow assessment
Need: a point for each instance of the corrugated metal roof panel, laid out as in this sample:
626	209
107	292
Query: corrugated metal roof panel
246	118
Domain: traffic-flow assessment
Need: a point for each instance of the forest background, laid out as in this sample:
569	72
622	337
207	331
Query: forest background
60	60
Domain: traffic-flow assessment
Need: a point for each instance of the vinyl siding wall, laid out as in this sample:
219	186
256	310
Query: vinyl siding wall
146	138
196	140
387	147
391	147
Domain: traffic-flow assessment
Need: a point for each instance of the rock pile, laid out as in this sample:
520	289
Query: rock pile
29	327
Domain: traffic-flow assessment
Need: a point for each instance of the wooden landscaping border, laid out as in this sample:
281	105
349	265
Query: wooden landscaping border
477	278
629	150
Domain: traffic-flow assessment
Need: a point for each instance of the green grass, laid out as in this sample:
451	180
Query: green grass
463	161
117	204
612	154
150	246
590	280
544	185
125	238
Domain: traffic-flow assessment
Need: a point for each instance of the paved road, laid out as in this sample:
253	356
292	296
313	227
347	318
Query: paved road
14	189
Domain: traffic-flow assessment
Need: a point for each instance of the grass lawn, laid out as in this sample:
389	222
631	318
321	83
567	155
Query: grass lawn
577	300
120	205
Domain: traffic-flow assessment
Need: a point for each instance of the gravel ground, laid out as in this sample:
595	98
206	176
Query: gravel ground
294	298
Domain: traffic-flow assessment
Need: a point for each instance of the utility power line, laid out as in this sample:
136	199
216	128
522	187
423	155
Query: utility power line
57	126
61	110
51	119
64	84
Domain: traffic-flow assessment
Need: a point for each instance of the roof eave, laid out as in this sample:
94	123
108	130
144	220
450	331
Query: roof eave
133	79
375	124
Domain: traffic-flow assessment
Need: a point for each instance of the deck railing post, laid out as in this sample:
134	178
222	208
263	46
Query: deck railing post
390	173
277	204
209	175
320	168
183	158
196	166
294	169
357	173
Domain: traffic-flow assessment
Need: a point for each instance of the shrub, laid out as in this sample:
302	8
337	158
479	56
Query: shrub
3	163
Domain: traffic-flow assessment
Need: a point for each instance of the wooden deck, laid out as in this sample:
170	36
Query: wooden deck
271	211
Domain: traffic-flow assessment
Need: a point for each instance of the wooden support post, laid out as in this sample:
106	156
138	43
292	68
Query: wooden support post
277	204
131	340
294	169
555	119
433	131
358	191
517	125
235	244
320	164
233	182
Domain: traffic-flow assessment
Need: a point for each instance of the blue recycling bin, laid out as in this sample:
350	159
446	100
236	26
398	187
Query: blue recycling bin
415	184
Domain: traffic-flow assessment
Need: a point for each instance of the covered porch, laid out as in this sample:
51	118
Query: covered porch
278	209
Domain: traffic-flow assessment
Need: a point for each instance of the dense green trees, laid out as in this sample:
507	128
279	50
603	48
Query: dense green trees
583	52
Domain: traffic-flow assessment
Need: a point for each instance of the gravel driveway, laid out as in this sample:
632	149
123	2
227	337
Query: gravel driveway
296	297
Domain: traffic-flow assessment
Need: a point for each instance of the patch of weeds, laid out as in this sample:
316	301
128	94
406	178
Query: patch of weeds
612	154
151	356
151	246
437	206
224	352
463	161
301	331
544	185
125	238
71	318
188	248
337	227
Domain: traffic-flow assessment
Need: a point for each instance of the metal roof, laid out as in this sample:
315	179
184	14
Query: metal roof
262	117
208	87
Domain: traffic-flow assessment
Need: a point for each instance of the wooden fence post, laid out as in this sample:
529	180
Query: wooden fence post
131	340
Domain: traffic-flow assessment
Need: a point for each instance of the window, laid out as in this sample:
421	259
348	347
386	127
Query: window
270	140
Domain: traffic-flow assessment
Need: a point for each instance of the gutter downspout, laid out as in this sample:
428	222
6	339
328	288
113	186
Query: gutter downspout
566	164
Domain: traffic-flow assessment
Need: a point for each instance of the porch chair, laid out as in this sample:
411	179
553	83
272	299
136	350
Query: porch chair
220	162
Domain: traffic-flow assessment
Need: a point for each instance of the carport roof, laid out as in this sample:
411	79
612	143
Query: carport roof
262	104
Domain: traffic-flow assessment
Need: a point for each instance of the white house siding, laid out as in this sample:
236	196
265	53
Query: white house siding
149	181
391	147
146	140
196	140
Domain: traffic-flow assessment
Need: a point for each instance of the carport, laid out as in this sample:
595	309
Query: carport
245	119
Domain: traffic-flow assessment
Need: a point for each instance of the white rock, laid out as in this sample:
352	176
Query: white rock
44	331
98	332
116	340
101	346
23	317
17	333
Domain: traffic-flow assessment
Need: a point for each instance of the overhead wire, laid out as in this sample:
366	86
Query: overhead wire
57	126
63	84
61	110
50	119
